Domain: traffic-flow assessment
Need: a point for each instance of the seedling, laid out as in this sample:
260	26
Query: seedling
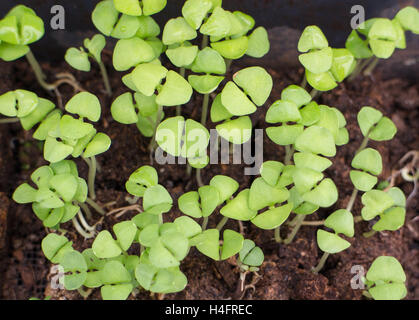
325	67
378	38
79	58
60	195
386	279
250	259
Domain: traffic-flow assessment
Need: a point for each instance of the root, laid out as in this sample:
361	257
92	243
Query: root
121	211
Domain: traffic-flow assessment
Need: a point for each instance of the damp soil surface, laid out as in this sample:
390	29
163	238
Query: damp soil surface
286	272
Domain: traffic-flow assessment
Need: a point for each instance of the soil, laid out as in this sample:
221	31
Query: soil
285	273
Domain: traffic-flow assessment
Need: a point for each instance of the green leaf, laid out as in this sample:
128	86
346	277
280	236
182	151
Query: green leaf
375	203
330	242
382	29
271	171
126	27
232	244
189	204
310	114
250	254
263	195
237	131
283	111
105	16
24	194
130	7
131	52
65	185
368	160
317	140
8	104
217	25
151	7
317	61
100	143
176	90
123	109
104	246
148	28
258	45
321	81
236	101
386	268
55	151
182	56
55	246
398	196
205	84
187	226
73	262
256	82
285	134
363	181
86	105
312	38
210	199
384	130
273	218
324	195
357	46
218	111
195	11
382	48
157	200
116	292
311	161
147	77
226	187
125	233
95	46
208	243
11	52
238	208
305	179
409	19
297	95
141	179
73	129
388	291
26	102
78	59
43	108
368	117
232	49
392	219
208	61
177	30
343	64
341	221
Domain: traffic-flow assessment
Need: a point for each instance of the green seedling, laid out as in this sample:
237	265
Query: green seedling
79	58
369	165
240	98
18	29
59	196
386	279
378	38
250	259
324	66
341	222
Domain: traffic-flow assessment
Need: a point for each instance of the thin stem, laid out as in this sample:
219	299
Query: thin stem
38	72
84	293
95	206
289	152
153	140
86	209
9	120
80	230
199	178
368	71
228	64
322	262
84	222
363	145
352	200
161	218
204	223
314	93
359	67
278	234
92	177
299	220
188	170
313	223
222	223
204	43
204	114
178	108
369	234
304	82
105	78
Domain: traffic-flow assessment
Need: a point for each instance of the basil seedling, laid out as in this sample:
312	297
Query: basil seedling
79	58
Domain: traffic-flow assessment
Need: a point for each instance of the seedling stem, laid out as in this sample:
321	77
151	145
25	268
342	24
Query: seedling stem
11	120
368	71
298	221
205	223
178	108
38	72
322	262
105	77
153	140
222	223
95	206
92	177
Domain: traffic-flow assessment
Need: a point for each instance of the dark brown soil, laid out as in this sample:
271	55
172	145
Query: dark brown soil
286	272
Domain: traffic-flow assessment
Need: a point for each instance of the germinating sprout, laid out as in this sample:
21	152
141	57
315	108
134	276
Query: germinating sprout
79	58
